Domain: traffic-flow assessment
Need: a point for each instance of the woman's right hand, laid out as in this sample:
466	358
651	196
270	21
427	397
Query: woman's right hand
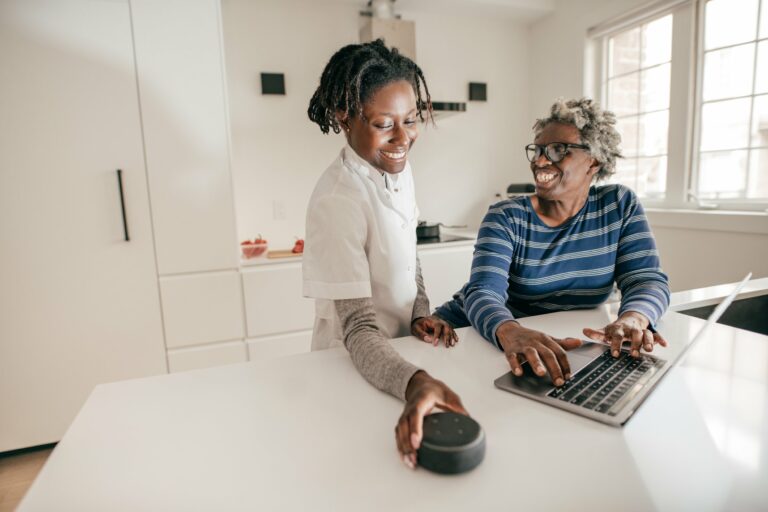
421	396
433	329
544	353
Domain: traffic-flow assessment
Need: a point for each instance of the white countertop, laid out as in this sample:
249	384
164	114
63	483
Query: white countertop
714	294
470	234
307	432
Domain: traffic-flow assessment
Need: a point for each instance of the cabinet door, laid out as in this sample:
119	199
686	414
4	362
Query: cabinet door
271	347
445	270
79	304
273	300
217	354
184	115
202	308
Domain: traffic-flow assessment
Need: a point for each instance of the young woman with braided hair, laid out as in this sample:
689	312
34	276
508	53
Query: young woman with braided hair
360	262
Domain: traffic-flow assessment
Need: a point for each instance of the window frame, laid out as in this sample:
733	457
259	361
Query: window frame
685	98
743	204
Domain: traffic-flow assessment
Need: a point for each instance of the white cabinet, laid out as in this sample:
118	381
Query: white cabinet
79	305
445	270
273	300
90	87
184	115
278	317
279	320
193	358
280	345
202	308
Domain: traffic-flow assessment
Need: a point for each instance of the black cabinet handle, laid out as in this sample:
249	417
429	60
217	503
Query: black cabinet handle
122	204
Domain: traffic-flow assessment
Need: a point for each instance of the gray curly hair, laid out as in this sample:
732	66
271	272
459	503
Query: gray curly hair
596	126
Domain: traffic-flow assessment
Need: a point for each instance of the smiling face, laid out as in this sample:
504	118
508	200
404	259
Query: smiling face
571	177
385	132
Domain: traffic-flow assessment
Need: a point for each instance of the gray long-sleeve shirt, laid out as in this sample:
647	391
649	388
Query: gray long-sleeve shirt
371	352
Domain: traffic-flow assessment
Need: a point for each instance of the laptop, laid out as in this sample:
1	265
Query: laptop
602	387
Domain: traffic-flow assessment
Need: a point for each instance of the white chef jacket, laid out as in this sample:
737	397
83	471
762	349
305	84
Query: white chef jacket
361	242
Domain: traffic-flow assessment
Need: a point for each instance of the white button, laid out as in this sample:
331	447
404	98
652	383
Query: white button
410	268
405	226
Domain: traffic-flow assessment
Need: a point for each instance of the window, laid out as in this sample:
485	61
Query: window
694	130
637	91
733	138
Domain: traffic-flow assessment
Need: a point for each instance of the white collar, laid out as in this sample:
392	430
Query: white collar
383	180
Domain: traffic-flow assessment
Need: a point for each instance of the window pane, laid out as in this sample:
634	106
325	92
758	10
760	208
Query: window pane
623	94
653	133
764	20
761	80
652	176
654	92
627	128
624	52
728	72
725	124
729	22
758	174
657	41
626	173
759	136
722	174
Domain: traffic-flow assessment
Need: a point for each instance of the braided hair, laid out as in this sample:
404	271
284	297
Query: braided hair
354	74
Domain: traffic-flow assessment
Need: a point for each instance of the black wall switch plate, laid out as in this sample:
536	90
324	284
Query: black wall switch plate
478	91
272	83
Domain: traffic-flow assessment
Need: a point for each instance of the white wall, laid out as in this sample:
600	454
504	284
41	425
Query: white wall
693	258
462	163
558	43
278	154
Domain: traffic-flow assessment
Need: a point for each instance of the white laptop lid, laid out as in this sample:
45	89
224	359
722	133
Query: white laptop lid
714	316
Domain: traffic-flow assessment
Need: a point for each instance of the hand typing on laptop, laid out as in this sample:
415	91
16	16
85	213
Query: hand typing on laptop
605	387
631	326
544	353
547	355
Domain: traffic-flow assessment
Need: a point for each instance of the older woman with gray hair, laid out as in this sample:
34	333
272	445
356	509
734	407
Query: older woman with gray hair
563	248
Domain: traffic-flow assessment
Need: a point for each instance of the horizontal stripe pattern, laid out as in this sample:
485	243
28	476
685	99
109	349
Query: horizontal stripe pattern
522	267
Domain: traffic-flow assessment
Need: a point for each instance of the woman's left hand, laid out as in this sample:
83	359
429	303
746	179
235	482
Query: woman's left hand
632	327
434	329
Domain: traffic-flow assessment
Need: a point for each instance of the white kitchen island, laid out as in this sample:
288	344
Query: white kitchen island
306	432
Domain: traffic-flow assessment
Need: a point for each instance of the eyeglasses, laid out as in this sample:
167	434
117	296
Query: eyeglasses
554	151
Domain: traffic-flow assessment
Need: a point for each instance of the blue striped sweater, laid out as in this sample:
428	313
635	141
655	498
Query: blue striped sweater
522	267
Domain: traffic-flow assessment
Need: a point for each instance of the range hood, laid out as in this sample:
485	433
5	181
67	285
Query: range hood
382	22
441	109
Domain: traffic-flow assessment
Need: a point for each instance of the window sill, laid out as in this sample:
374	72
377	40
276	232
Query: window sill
708	220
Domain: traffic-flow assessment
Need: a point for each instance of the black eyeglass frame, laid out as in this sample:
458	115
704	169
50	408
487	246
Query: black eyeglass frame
539	149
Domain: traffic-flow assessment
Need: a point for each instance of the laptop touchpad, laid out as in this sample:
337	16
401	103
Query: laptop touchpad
582	356
531	384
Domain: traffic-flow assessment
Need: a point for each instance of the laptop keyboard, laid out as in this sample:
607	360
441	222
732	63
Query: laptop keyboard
601	385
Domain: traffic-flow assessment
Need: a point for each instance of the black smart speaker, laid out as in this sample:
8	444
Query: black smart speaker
452	443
